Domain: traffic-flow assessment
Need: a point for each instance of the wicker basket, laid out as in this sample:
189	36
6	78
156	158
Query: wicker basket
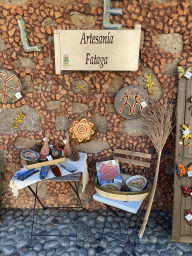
121	195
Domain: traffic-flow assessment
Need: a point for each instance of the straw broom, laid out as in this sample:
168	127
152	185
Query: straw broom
158	123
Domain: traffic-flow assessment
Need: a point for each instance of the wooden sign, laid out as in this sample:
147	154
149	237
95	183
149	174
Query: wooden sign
130	101
109	50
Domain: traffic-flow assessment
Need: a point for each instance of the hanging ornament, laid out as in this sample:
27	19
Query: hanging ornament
188	217
187	191
186	135
182	73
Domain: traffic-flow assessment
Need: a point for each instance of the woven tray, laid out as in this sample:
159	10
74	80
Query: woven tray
122	195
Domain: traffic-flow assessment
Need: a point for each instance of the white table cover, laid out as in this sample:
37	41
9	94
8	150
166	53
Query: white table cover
80	165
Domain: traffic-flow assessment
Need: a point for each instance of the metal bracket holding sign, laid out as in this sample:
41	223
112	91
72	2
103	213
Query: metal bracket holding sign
97	50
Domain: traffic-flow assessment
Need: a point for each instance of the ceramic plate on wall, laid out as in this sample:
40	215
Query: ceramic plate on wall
10	87
131	101
82	130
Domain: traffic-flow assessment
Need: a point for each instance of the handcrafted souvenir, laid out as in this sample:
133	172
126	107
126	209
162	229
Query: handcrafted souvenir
107	171
44	171
131	101
136	182
18	119
26	174
55	170
67	148
10	87
149	84
29	155
56	152
183	171
186	135
24	37
45	149
187	191
187	74
82	130
74	155
188	217
68	167
111	186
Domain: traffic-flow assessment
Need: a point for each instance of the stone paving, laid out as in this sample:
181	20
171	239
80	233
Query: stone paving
15	234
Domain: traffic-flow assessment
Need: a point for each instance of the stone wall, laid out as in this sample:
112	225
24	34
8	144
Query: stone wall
52	101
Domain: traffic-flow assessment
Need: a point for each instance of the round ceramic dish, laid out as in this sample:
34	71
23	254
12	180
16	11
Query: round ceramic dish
29	155
111	186
136	183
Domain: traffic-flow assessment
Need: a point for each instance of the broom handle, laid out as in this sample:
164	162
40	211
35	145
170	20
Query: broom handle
142	230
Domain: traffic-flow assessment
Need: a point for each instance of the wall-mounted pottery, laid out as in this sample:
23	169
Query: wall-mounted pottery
131	101
82	130
10	87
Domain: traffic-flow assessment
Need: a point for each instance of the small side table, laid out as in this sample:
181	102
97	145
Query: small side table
68	178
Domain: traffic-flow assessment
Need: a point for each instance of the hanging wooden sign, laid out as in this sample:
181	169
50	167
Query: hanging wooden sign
113	50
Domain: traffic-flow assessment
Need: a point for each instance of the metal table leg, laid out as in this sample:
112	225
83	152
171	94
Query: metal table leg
100	249
35	193
33	210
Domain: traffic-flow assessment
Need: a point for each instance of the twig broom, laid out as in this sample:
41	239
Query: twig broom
158	123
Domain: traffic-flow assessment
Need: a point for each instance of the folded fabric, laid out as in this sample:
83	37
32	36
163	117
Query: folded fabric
18	173
25	175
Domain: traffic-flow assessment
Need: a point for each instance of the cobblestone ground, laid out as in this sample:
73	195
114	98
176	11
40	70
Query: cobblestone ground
15	234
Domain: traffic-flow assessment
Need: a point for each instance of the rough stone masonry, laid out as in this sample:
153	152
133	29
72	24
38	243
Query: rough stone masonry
52	101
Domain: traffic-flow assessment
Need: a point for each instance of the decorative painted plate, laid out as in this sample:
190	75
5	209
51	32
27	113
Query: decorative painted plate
82	130
10	87
131	101
29	155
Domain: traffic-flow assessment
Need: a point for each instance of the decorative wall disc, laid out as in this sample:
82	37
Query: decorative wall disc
131	101
10	87
82	130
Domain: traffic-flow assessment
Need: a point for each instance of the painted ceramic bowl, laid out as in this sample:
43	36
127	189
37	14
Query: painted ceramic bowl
111	186
136	183
30	155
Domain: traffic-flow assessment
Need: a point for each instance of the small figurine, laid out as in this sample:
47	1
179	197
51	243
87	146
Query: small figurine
183	171
56	152
45	149
188	217
186	135
18	119
187	191
67	148
182	72
149	84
